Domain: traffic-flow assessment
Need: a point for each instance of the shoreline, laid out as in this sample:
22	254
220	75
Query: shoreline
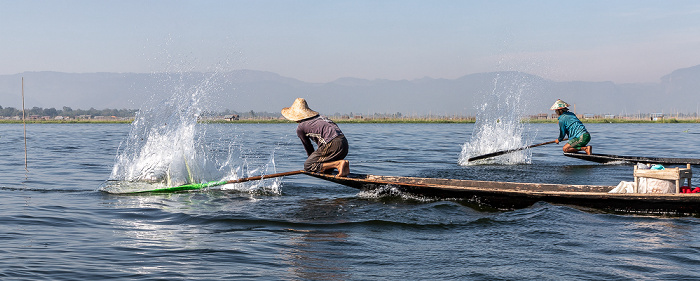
360	121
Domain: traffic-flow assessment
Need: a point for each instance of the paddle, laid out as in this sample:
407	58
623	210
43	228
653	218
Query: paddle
497	153
194	186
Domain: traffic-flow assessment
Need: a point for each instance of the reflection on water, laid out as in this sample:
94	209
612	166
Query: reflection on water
312	255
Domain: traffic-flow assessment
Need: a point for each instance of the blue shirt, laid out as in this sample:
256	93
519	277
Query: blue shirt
570	125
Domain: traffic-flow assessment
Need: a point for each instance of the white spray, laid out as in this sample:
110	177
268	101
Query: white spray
498	124
164	145
167	144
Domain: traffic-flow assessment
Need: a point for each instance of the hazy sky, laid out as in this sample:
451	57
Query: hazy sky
320	41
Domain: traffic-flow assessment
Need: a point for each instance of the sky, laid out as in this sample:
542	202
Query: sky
623	41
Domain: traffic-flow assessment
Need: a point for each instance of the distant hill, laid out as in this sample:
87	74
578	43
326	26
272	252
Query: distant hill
245	90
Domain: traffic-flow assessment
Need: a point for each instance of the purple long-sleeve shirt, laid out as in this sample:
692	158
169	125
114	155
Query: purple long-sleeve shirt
320	129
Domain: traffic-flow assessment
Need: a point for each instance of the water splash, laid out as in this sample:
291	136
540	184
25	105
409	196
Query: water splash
167	145
498	124
392	192
263	186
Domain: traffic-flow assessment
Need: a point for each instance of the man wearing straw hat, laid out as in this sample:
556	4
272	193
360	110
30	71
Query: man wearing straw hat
332	145
570	125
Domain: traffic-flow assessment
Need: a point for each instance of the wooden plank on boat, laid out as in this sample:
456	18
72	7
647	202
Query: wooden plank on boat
514	195
607	158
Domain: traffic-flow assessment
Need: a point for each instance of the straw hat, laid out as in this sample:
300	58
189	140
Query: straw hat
559	104
298	111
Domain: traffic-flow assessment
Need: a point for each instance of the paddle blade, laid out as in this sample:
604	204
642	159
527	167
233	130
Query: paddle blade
498	153
494	154
195	186
192	186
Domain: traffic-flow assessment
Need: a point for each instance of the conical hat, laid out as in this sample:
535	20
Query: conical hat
298	111
559	104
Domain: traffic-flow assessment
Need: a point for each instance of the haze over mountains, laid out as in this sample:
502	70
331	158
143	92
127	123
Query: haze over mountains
245	90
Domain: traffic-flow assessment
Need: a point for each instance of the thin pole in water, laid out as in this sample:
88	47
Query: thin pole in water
24	121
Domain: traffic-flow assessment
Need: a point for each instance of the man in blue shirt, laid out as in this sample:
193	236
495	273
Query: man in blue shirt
571	126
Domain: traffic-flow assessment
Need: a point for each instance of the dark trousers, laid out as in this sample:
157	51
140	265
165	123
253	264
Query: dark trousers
335	150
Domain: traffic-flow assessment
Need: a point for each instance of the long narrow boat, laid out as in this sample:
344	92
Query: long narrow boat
607	158
513	195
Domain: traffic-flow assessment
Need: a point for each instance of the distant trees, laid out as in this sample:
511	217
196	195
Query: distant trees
70	112
10	111
66	112
251	114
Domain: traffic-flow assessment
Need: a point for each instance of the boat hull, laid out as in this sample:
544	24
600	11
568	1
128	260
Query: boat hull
607	158
512	195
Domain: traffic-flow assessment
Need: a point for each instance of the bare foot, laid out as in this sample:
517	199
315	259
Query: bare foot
588	149
343	168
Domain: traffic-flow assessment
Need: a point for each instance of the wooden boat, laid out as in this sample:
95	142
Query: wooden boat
607	158
513	195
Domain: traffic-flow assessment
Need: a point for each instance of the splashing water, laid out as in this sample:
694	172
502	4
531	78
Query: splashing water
162	144
498	126
167	145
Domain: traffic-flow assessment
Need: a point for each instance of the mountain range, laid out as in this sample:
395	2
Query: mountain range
246	90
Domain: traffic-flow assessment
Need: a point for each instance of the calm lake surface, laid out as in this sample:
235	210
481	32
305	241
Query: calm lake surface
55	223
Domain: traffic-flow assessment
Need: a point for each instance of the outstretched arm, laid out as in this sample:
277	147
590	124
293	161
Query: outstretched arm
562	132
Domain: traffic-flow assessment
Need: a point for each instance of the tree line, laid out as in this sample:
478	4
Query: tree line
69	112
130	113
66	112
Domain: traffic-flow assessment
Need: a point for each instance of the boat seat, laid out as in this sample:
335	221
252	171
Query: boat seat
679	175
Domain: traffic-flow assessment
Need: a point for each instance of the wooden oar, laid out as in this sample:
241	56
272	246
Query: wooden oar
497	153
193	186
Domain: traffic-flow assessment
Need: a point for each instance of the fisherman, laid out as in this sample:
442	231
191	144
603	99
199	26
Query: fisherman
571	126
332	144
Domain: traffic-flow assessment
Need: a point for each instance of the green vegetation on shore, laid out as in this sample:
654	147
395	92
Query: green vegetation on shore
67	115
74	121
618	120
357	121
447	121
350	121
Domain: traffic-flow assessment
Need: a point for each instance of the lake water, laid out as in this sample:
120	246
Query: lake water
55	223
